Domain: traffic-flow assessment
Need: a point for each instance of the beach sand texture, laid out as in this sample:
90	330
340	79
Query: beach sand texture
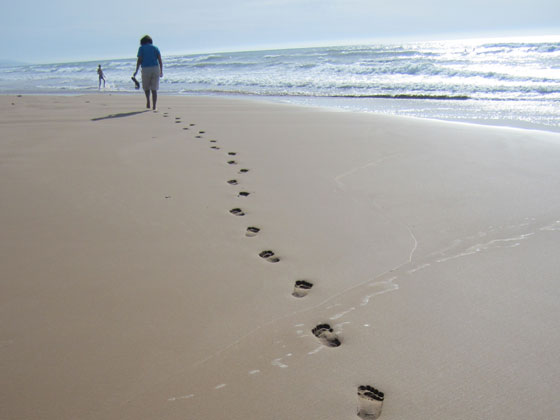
137	282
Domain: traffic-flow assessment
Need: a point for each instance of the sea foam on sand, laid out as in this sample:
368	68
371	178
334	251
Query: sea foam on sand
130	290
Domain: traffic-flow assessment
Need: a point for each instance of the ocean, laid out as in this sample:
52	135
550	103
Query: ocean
507	82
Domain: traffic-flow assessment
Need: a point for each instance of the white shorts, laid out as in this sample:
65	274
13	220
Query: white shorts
150	78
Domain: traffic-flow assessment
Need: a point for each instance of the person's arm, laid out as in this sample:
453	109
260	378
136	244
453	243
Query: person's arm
160	65
138	63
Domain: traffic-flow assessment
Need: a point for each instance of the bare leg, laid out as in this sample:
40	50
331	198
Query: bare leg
147	92
154	98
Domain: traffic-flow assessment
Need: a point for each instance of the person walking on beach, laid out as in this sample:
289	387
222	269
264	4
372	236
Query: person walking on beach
101	77
149	58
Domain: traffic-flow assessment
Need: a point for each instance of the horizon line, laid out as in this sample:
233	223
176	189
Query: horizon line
6	62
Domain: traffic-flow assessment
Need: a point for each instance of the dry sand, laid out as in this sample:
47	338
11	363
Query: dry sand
129	291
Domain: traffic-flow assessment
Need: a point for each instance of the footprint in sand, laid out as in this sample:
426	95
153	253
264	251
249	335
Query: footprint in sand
370	402
201	132
243	194
269	256
213	141
301	288
243	171
232	182
326	335
237	212
215	148
252	231
232	162
232	153
198	137
192	124
185	128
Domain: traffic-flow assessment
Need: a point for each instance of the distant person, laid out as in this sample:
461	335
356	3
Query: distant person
149	58
101	77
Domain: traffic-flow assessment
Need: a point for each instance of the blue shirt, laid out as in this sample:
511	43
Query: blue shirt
149	54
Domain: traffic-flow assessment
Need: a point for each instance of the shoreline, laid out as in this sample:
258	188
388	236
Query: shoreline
139	280
399	103
377	106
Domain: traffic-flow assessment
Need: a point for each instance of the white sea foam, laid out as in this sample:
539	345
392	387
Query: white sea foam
341	314
494	244
552	227
474	80
317	350
183	397
278	363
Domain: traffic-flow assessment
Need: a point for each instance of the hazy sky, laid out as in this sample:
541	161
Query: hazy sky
71	30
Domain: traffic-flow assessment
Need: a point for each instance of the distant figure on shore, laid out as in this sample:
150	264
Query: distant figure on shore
149	58
101	77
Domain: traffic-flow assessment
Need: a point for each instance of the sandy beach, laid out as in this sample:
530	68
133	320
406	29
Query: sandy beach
133	288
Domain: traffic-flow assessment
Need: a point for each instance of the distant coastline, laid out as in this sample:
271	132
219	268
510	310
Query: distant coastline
12	63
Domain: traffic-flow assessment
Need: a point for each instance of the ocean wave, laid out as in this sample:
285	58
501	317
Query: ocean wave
407	96
485	70
210	57
547	48
248	92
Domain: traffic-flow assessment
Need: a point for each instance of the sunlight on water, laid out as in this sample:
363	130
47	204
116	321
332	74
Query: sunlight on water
516	80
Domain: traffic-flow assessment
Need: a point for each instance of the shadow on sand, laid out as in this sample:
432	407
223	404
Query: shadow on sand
121	115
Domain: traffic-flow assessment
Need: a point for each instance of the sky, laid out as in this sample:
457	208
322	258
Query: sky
39	31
